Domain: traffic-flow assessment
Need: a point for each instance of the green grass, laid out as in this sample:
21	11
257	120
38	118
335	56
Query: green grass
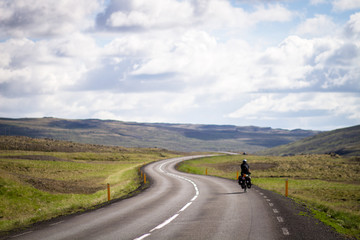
36	186
329	186
345	141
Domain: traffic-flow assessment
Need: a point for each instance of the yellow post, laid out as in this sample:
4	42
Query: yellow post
286	187
206	171
237	175
108	191
144	178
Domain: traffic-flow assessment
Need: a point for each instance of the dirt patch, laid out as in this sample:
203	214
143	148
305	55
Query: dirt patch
227	167
87	186
263	166
52	145
231	167
58	186
37	157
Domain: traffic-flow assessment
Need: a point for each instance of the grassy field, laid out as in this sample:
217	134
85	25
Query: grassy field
40	185
345	142
329	186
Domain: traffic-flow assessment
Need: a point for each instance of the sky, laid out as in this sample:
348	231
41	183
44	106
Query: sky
283	64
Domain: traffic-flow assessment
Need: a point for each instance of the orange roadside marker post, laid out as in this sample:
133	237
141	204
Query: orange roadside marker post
108	191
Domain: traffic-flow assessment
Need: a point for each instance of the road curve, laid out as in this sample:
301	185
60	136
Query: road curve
177	206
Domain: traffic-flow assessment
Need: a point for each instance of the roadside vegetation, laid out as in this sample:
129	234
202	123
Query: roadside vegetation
328	185
62	177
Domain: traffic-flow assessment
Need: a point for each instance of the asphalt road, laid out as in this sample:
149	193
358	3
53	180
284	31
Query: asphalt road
186	206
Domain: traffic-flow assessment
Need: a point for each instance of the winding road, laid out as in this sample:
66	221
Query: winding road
186	206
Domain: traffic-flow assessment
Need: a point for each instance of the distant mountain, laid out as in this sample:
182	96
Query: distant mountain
345	141
179	137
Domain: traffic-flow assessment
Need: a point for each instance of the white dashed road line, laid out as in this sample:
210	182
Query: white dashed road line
166	222
285	231
280	219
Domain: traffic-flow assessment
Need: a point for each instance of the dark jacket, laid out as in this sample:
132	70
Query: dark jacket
245	169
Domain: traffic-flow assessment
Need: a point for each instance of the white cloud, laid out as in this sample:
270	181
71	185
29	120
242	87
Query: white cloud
285	66
33	18
144	107
150	13
273	13
316	2
273	106
345	5
352	28
211	14
191	54
41	67
320	25
178	61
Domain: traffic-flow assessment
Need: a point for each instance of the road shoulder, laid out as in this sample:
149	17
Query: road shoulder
297	220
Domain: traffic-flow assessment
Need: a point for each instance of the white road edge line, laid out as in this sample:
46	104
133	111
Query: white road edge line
53	224
181	210
143	236
280	219
186	206
21	234
193	199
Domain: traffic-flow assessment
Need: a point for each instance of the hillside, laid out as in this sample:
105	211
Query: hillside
179	137
41	179
345	141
